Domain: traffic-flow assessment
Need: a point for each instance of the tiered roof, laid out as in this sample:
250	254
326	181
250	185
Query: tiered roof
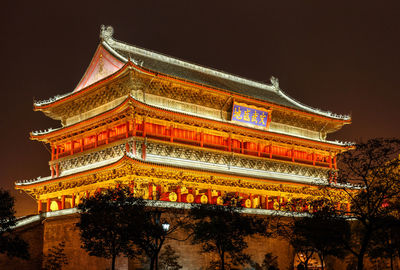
114	59
112	54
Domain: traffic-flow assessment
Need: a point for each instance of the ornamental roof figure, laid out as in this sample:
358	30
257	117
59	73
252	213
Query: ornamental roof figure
112	55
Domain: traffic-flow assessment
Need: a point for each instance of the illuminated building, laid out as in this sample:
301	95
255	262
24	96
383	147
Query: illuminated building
176	131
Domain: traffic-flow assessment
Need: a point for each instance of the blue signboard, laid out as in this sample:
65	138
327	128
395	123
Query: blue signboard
245	114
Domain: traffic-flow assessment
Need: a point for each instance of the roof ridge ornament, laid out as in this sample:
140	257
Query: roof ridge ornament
106	32
275	83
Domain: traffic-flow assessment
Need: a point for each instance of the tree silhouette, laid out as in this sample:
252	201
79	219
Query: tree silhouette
10	243
222	230
169	259
114	222
369	175
55	258
385	242
158	225
270	262
322	232
107	221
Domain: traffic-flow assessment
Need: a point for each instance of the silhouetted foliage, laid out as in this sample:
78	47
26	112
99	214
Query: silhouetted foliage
157	226
169	259
222	230
385	242
373	168
56	258
323	232
270	262
107	221
10	244
114	222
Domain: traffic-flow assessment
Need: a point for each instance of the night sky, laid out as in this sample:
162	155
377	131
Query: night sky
343	58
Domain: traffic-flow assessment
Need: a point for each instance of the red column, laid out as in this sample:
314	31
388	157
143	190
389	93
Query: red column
134	147
144	127
62	202
57	170
57	151
134	127
158	193
107	135
229	143
82	145
73	200
48	205
171	128
313	159
330	160
144	150
209	196
72	147
39	206
132	187
334	163
178	192
127	130
96	142
270	150
266	202
150	191
52	152
292	154
52	171
127	147
252	200
242	145
258	149
201	138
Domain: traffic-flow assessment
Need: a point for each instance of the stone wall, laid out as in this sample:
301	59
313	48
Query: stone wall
33	235
49	232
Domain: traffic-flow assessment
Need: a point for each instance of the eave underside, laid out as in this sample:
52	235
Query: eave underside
127	169
130	107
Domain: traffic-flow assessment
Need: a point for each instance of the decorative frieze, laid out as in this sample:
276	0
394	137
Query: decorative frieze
196	155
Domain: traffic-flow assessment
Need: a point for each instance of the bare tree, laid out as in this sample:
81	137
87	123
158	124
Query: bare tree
369	176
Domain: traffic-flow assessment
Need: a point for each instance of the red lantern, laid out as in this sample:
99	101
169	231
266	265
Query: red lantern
169	197
245	203
188	198
217	200
203	199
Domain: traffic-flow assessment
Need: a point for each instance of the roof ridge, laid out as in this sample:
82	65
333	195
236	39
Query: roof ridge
112	44
107	39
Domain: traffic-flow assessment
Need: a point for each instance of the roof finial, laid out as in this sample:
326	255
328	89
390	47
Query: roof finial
275	83
106	32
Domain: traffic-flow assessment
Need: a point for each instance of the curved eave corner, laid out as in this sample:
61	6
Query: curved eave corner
46	105
26	184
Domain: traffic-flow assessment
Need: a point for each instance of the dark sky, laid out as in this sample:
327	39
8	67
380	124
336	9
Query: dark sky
340	57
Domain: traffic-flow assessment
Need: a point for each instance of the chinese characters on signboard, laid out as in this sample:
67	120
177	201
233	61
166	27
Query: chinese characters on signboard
246	114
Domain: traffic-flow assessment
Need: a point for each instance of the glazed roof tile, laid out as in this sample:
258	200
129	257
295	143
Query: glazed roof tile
187	71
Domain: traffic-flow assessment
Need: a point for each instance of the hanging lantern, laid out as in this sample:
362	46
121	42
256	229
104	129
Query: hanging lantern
217	200
245	203
188	198
169	196
203	199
